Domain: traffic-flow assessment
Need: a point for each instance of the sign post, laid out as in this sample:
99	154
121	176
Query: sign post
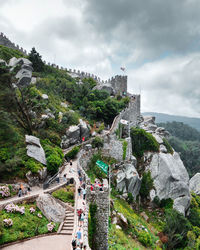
104	167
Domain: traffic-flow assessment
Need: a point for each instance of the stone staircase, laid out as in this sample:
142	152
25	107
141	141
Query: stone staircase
68	224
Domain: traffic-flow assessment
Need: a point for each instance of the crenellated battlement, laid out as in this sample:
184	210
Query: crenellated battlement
115	85
5	41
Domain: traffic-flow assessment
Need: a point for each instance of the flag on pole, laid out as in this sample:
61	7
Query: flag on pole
122	68
103	166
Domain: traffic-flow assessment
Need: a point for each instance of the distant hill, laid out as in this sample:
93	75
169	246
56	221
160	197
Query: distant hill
160	117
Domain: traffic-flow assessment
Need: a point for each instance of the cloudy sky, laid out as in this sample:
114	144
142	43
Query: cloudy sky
157	41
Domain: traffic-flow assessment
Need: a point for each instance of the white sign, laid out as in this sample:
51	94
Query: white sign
125	122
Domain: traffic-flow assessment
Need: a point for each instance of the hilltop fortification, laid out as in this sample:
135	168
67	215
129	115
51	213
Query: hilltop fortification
5	41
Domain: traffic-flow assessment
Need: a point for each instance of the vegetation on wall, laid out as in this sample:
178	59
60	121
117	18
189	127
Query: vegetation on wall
142	141
92	224
97	142
168	146
125	144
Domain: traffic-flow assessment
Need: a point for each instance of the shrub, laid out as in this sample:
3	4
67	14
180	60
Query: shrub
4	154
166	203
143	141
53	163
191	239
97	142
196	230
125	144
33	165
194	216
168	146
145	238
130	198
146	185
64	195
72	153
70	118
101	128
176	228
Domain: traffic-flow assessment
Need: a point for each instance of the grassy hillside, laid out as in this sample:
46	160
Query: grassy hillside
161	117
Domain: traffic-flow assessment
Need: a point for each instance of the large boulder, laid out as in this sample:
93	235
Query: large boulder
3	63
20	61
195	184
34	149
84	129
72	136
25	73
170	178
128	180
24	76
50	208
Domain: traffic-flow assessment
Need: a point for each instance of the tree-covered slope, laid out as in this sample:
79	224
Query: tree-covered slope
26	111
185	140
161	117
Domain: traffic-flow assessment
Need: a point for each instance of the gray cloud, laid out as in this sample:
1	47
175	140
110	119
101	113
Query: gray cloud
155	26
170	85
157	41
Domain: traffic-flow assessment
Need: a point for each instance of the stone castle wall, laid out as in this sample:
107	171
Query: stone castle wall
132	113
5	41
100	198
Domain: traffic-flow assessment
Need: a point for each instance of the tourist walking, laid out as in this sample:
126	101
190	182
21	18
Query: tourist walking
74	244
79	234
79	172
82	219
84	193
79	191
20	192
70	163
81	180
64	178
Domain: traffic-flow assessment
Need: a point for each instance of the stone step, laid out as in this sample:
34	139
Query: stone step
69	214
68	228
65	233
69	219
68	223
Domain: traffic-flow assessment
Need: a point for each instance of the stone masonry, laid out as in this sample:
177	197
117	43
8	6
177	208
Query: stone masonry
101	199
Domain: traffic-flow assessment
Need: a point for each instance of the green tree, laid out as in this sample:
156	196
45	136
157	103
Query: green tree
176	228
36	59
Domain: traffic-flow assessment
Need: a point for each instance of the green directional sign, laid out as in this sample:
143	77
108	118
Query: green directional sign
103	166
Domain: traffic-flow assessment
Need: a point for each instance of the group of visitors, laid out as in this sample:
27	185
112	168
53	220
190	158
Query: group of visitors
81	216
77	243
96	184
82	191
23	190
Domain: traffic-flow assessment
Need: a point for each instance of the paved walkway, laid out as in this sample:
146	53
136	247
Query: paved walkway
54	242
